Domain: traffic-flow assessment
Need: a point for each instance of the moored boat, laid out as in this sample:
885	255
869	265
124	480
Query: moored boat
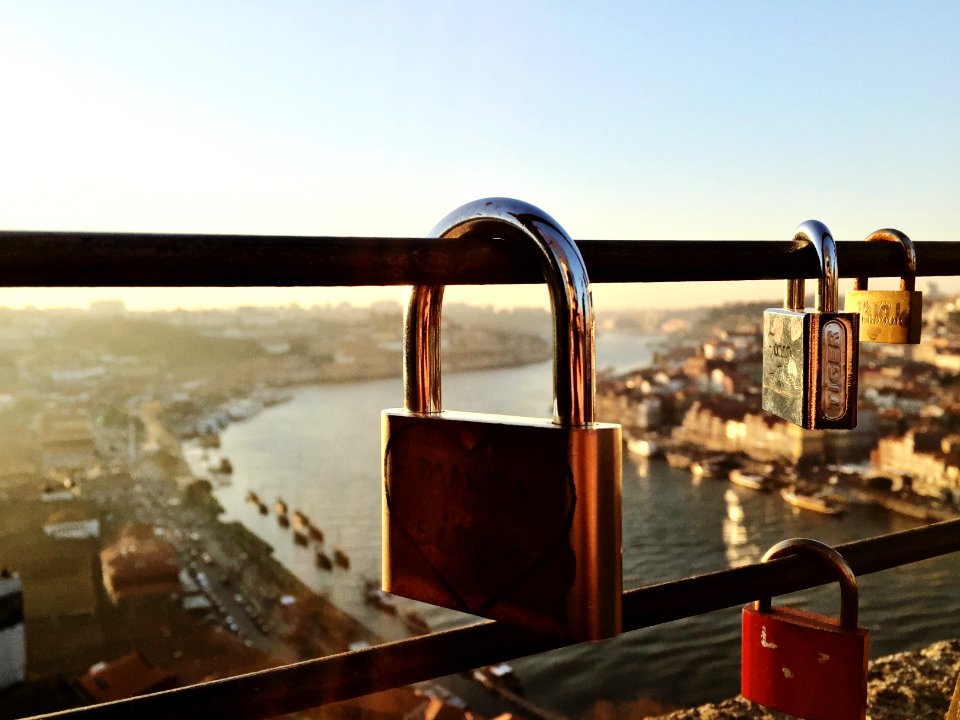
642	447
500	676
380	600
316	533
299	538
703	468
280	507
810	502
341	559
678	460
749	480
300	521
323	561
415	622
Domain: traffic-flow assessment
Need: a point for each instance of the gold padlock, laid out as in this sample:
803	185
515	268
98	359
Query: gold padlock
889	316
515	519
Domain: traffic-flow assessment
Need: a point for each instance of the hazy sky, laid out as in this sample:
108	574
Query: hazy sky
659	120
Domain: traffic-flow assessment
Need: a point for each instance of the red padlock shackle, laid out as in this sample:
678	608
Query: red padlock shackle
849	594
908	281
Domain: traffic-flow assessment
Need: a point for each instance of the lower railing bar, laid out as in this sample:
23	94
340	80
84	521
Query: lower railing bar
320	681
40	259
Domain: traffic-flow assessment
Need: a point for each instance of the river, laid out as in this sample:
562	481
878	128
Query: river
320	453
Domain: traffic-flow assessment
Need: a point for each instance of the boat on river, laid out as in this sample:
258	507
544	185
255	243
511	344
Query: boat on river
299	538
341	559
810	502
499	677
280	507
300	521
315	533
703	468
642	447
415	622
678	460
749	480
323	561
382	601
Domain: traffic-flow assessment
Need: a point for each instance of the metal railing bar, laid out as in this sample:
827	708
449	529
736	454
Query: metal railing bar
330	679
63	259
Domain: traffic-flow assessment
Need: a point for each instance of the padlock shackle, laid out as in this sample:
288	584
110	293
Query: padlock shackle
570	298
849	593
816	233
909	281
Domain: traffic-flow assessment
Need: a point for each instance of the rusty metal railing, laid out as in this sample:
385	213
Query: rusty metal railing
40	259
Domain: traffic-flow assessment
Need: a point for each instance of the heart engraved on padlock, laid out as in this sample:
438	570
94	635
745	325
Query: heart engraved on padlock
517	550
515	519
802	663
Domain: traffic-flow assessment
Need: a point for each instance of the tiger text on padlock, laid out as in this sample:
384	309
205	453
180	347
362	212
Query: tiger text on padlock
810	358
889	316
515	519
808	665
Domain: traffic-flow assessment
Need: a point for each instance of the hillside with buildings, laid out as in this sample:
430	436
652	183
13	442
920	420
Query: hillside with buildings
120	578
700	402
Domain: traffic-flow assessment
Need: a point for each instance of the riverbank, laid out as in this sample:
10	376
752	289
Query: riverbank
262	601
320	453
838	486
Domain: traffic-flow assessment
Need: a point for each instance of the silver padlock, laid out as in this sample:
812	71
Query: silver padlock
810	358
515	519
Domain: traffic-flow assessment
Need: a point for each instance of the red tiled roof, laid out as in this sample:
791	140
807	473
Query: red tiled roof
125	677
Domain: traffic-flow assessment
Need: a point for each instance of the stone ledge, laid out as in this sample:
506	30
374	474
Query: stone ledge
904	686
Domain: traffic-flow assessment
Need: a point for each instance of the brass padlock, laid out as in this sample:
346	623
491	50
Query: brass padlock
889	316
515	519
810	359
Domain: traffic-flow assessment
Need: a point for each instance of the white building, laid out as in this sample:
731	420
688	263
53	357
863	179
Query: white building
13	652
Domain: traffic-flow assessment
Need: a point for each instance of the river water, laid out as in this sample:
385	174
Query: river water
320	453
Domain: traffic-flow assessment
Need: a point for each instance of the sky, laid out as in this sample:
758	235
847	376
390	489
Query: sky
633	120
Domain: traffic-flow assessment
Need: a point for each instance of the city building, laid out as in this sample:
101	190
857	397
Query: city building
139	564
66	442
13	652
725	425
71	523
124	677
930	461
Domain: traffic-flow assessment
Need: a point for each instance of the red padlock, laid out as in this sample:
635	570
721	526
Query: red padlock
808	665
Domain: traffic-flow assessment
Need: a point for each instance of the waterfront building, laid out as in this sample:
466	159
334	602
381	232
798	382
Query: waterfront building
66	442
13	652
124	677
942	352
71	524
930	459
139	564
726	425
